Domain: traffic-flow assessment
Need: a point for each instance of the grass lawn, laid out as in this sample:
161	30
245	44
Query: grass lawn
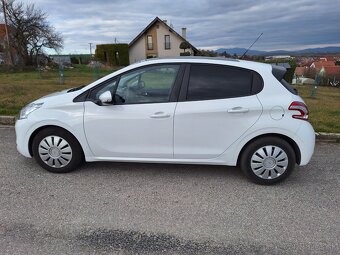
324	110
19	89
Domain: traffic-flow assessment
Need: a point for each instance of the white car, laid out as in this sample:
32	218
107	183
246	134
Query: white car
182	110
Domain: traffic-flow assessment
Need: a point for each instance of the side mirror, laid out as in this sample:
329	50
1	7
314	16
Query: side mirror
105	98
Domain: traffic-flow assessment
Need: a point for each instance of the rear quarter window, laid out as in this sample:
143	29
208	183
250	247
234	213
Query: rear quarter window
279	73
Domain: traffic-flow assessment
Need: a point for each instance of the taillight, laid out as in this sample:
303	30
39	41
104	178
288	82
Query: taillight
301	108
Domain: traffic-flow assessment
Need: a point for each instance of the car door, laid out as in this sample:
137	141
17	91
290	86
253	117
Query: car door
139	124
217	105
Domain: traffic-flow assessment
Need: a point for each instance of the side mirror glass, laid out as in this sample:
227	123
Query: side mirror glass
106	98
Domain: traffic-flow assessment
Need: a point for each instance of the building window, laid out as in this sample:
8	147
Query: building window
167	45
149	42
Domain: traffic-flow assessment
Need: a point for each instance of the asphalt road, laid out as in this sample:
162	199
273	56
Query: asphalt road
123	208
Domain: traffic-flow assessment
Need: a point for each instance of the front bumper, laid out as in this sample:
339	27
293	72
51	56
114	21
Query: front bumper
22	136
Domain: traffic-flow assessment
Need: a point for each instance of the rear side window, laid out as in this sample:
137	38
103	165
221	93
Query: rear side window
208	82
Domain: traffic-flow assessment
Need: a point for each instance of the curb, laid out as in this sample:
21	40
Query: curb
327	137
320	136
7	120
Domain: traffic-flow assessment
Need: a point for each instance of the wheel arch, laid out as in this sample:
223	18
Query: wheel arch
290	141
30	142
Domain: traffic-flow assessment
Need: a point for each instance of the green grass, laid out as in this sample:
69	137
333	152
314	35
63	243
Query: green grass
20	88
324	109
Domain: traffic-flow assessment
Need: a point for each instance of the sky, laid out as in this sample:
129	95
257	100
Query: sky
211	24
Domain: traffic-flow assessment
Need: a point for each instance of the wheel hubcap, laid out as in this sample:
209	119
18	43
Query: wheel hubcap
269	162
55	151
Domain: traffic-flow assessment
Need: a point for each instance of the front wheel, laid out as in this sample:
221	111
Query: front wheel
268	160
56	150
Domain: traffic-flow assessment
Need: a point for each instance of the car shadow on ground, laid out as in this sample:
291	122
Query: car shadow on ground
161	169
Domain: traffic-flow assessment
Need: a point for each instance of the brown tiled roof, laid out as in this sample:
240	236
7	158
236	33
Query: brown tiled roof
329	58
300	70
320	64
332	70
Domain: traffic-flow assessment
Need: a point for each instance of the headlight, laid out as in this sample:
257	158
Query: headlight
29	109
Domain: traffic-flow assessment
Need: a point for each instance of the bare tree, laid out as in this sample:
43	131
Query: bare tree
30	31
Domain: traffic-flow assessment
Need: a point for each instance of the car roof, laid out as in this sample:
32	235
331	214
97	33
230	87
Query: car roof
257	66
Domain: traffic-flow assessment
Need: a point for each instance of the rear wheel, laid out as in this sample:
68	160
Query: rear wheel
268	160
57	150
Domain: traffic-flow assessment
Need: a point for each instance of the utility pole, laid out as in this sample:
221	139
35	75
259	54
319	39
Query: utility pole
90	50
6	30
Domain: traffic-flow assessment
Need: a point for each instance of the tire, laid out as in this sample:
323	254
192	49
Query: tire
56	150
268	160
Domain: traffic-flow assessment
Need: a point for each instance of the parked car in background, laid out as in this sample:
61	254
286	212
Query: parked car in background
183	110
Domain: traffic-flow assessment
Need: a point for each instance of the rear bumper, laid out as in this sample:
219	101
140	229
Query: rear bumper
306	142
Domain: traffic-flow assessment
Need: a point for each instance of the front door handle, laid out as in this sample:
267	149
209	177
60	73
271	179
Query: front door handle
160	115
238	110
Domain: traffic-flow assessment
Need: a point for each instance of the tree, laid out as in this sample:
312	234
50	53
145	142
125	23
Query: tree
207	53
225	54
31	32
184	45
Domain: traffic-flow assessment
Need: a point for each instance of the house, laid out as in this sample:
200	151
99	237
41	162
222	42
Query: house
304	75
324	67
61	59
300	71
329	69
278	57
319	64
158	39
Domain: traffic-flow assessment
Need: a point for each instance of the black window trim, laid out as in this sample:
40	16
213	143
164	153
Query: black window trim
149	44
85	96
165	45
185	84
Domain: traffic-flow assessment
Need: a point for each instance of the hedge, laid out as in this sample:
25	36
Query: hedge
111	49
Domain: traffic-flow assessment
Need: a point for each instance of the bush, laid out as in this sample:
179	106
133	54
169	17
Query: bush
74	60
106	53
184	45
187	53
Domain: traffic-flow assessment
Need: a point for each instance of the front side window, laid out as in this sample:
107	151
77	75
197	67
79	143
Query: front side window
147	85
167	42
149	42
209	82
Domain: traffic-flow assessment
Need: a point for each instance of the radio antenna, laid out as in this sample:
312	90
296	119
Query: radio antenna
251	45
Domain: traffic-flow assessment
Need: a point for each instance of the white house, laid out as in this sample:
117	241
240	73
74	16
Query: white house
158	39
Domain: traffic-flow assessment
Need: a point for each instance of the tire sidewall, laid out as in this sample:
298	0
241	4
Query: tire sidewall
77	154
261	142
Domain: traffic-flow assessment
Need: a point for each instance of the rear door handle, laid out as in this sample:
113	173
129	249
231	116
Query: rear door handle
238	110
160	115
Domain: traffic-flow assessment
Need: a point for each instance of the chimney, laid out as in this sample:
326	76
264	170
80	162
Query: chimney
184	32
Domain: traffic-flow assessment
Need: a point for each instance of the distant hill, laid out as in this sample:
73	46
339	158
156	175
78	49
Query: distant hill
240	51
